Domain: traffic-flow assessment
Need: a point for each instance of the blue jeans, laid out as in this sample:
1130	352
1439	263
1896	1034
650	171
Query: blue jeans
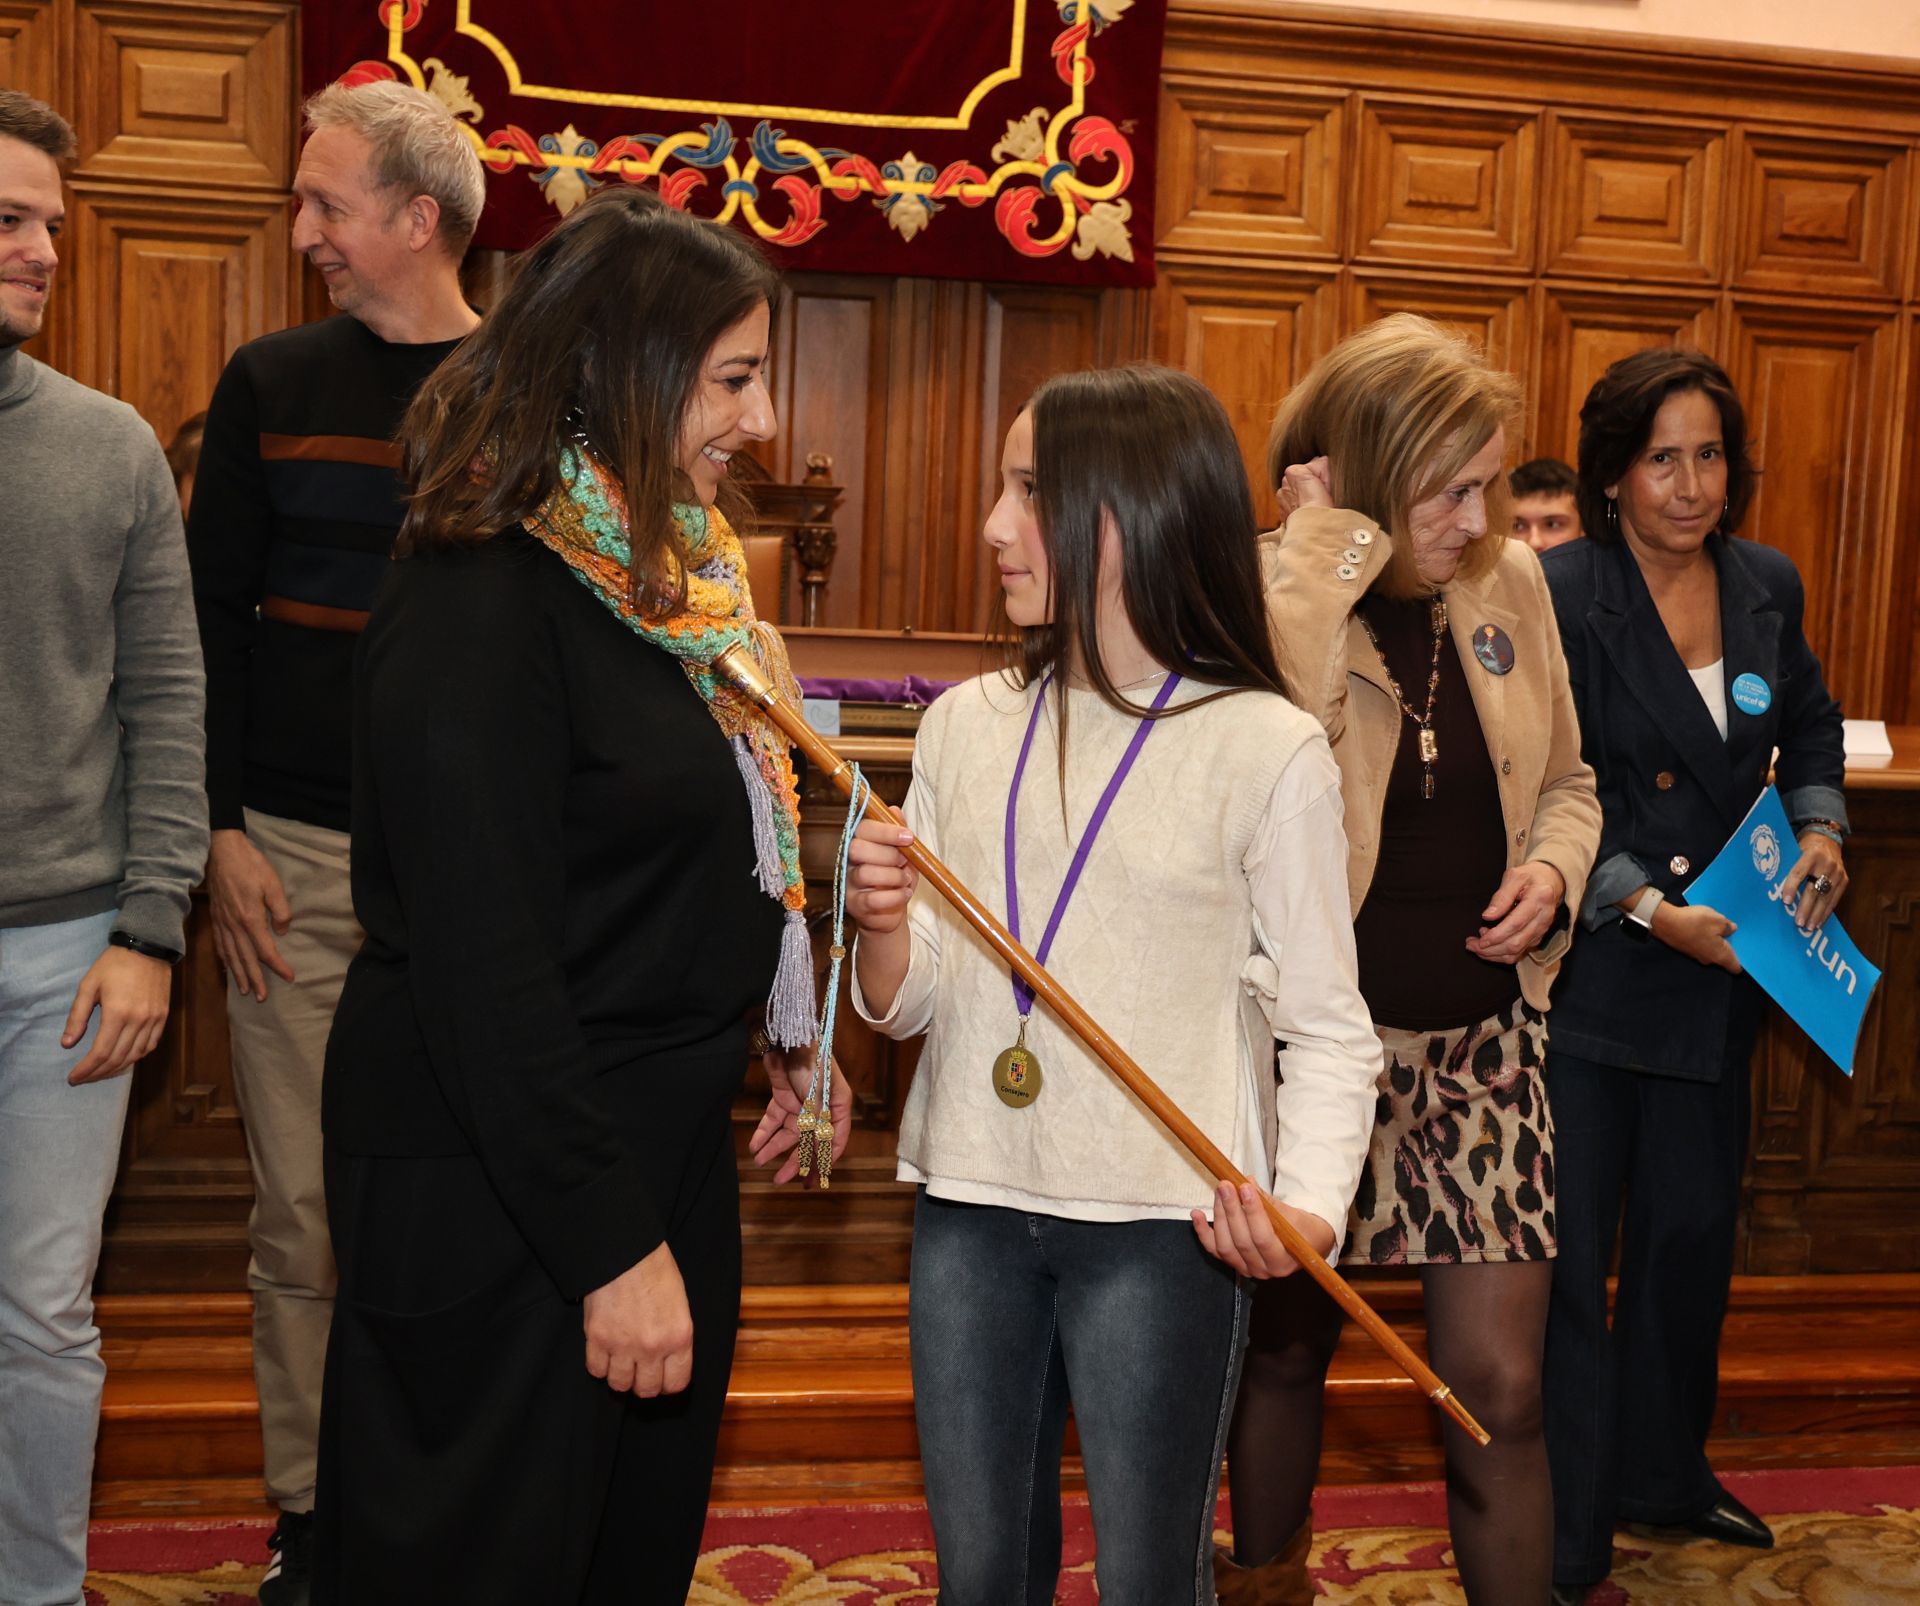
1012	1315
59	1148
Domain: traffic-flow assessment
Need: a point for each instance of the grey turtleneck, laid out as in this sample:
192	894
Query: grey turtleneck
102	750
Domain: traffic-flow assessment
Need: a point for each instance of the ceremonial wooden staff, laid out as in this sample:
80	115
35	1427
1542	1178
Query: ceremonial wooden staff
738	665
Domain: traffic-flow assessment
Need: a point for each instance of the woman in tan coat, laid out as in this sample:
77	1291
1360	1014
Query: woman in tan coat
1426	645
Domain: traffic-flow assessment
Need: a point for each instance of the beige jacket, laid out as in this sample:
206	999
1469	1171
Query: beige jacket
1317	566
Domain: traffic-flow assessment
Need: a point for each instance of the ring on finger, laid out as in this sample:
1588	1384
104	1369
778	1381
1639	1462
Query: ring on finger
1822	885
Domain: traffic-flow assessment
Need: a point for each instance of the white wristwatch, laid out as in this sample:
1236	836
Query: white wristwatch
1641	914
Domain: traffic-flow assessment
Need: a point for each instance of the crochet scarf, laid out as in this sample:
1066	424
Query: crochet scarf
585	522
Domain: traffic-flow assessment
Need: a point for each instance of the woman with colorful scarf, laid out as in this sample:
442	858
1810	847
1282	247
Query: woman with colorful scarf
576	860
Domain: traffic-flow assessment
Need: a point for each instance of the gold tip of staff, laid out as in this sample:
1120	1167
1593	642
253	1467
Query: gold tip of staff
737	664
1444	1398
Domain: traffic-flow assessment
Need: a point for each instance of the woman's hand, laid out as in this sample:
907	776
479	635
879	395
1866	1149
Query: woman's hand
788	1074
1305	485
639	1330
1699	931
1819	856
880	882
1242	1235
1521	913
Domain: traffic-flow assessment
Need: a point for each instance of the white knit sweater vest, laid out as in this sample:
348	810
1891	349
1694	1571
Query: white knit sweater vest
1154	943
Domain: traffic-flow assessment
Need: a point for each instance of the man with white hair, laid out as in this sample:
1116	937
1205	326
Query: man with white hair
295	507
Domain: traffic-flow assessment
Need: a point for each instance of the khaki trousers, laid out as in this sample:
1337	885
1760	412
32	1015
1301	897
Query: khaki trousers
279	1049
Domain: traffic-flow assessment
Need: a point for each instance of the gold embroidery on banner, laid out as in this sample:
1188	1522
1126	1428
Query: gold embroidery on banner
517	85
568	166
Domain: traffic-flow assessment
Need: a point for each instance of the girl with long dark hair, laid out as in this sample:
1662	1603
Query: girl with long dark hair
1155	819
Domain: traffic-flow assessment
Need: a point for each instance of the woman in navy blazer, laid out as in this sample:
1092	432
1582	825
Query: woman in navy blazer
1689	666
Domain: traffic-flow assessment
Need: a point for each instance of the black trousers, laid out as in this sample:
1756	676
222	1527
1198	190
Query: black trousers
466	1455
1628	1407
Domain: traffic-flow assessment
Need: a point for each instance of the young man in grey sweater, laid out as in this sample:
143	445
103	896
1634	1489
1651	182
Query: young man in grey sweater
103	832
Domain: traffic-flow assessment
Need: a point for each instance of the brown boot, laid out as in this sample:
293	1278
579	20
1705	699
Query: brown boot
1284	1581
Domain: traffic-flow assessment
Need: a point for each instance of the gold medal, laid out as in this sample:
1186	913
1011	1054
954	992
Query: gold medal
1016	1073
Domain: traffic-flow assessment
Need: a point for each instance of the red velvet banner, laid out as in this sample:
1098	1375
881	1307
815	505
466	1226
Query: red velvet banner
979	139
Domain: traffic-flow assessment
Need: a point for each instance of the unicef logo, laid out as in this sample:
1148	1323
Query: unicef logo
1766	852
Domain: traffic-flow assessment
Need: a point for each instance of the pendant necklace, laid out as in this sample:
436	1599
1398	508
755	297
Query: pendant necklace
1423	723
1017	1076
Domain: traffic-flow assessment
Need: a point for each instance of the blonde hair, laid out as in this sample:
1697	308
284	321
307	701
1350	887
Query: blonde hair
418	149
1398	409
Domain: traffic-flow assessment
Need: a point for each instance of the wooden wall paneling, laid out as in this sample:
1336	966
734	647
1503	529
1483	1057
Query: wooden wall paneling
1446	184
1632	198
193	95
1495	314
29	49
829	377
1819	390
179	1212
165	286
1900	700
1483	56
1584	330
1249	333
1834	1187
1824	217
925	475
1247	167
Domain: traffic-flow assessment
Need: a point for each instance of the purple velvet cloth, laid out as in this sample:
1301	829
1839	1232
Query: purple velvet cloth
913	690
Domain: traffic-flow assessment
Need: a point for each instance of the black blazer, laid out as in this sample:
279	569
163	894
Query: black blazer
1671	791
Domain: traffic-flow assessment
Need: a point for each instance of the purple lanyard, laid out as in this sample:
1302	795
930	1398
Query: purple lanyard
1022	993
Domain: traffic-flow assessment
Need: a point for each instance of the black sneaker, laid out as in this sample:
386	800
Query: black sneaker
289	1580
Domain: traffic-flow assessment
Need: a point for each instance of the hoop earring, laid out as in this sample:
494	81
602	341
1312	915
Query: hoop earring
1613	515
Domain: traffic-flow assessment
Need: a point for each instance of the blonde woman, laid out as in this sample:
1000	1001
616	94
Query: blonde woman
1425	643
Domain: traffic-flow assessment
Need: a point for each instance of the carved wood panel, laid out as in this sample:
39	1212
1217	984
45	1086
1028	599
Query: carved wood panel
1819	394
186	95
179	1212
1637	199
830	359
1494	314
1583	331
221	269
1445	184
1249	333
1247	168
29	48
1827	217
1903	592
1833	1176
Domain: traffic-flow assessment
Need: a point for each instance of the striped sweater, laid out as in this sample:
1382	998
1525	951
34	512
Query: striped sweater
295	506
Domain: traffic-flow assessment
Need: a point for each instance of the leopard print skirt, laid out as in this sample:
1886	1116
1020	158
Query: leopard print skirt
1461	1165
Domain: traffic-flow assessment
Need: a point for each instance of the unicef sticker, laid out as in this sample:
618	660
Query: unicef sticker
1766	852
1751	694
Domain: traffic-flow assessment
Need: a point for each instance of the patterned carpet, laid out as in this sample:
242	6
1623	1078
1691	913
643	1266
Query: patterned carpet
1846	1538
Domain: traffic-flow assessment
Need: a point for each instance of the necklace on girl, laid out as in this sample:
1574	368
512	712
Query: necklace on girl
1423	722
1017	1076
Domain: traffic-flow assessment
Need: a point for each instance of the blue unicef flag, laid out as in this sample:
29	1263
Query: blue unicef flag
1821	980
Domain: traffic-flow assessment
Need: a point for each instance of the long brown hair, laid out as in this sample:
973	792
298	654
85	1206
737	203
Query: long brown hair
1153	448
1397	409
601	334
